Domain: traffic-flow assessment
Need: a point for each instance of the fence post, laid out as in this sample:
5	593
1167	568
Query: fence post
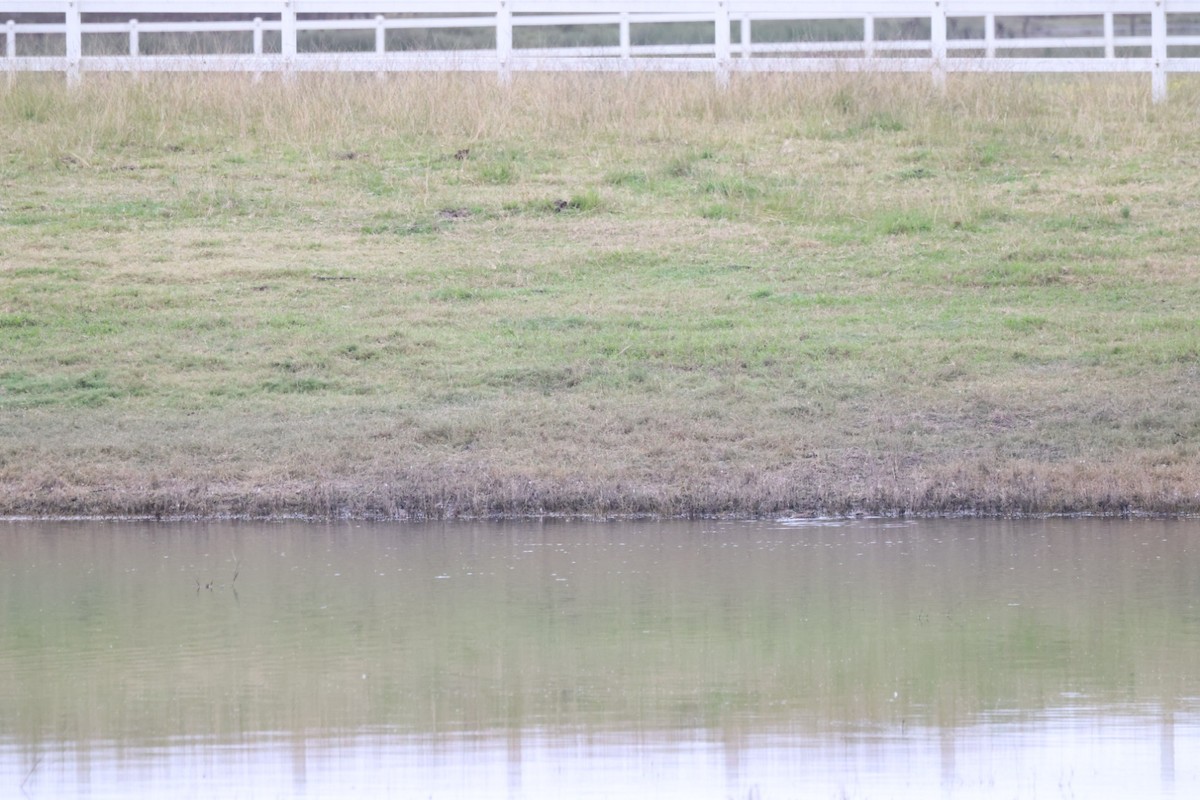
287	36
257	46
937	43
74	20
989	35
626	43
1158	51
504	43
746	40
135	46
869	36
1110	36
380	42
723	45
10	49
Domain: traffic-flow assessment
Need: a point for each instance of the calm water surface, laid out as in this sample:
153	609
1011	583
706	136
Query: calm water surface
671	660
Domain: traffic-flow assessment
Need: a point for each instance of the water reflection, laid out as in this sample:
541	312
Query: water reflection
1058	754
687	659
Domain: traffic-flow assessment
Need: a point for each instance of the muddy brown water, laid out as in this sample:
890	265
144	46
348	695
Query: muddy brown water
865	658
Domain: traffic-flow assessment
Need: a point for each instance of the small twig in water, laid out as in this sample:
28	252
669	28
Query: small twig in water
37	761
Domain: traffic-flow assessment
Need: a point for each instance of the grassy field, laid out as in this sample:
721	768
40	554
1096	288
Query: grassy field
593	295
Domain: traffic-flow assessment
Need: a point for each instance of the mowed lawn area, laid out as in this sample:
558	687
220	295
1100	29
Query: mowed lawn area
434	296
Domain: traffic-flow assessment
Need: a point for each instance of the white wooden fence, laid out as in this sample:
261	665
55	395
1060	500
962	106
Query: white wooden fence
1162	46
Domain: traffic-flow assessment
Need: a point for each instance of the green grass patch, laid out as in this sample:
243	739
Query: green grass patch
904	223
88	390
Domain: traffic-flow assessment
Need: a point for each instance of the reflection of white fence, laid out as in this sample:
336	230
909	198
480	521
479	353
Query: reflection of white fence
1088	44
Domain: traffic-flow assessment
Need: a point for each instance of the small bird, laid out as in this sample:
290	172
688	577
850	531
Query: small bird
461	155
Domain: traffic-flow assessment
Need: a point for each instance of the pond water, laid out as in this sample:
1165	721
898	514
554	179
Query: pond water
866	658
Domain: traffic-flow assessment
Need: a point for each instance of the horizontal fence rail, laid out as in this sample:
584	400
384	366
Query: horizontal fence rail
723	37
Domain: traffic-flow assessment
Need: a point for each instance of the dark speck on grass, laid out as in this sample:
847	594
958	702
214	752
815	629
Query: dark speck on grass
454	213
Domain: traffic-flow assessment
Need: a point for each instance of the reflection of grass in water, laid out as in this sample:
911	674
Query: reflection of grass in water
830	293
653	628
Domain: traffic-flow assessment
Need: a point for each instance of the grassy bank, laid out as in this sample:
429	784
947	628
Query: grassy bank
595	295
